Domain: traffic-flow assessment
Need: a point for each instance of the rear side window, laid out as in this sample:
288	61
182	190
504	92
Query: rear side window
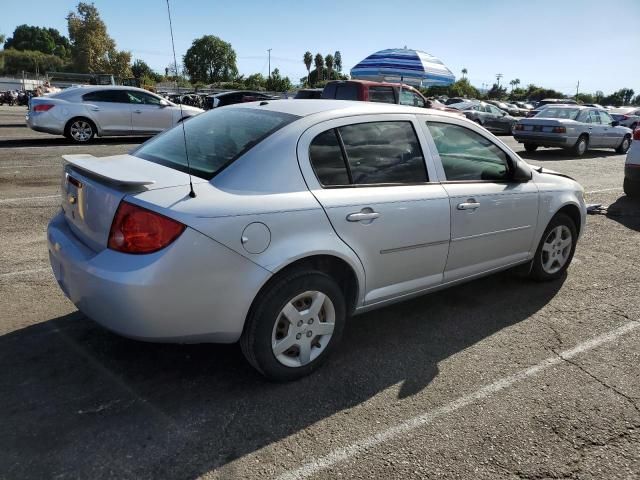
374	153
111	96
468	156
214	139
382	95
347	91
329	91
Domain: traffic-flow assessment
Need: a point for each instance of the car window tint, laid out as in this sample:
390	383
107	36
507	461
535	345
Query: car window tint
467	155
383	152
347	91
382	95
584	117
605	118
110	96
327	160
213	139
141	98
407	97
329	91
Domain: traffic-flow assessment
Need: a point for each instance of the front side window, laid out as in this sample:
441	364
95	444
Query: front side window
382	95
374	153
141	98
467	155
605	118
213	139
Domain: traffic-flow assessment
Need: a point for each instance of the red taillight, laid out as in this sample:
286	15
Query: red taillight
43	107
636	134
519	127
138	230
559	130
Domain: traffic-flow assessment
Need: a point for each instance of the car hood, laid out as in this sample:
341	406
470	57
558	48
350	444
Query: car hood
548	171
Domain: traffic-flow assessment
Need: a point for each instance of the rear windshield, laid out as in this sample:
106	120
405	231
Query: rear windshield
214	139
566	113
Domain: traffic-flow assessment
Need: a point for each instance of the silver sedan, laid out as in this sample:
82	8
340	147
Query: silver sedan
80	113
574	128
301	214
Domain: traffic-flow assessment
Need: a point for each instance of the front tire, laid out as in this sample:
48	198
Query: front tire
80	130
581	146
556	249
624	146
530	147
294	325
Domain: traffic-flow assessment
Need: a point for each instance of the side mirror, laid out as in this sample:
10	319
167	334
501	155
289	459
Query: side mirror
504	114
164	103
615	123
521	172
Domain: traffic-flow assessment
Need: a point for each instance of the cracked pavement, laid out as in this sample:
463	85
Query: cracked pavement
80	402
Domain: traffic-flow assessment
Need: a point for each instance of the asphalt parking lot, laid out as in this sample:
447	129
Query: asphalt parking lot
498	378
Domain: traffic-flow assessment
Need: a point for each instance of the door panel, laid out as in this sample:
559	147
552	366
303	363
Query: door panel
112	117
405	247
150	118
498	231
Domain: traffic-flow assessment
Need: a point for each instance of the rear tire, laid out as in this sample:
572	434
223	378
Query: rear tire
581	146
555	250
530	147
631	188
80	130
288	332
624	146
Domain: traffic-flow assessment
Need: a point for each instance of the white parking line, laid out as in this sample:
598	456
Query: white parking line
6	200
24	272
357	448
605	190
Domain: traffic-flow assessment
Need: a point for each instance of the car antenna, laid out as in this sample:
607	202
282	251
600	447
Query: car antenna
192	192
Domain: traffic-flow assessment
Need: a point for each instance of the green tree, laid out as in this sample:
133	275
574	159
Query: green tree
276	83
92	49
497	92
598	96
45	40
16	61
256	82
308	60
319	63
462	88
464	72
2	38
210	59
337	59
329	60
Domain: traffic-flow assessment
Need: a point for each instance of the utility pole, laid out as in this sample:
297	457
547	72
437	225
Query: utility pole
498	77
269	50
577	87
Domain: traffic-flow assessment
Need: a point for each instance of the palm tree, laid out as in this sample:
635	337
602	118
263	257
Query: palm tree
319	63
308	59
516	82
328	60
337	59
512	83
464	72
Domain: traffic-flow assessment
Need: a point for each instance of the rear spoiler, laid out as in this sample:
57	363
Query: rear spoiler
117	169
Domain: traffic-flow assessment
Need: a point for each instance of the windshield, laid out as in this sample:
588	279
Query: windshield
553	112
214	139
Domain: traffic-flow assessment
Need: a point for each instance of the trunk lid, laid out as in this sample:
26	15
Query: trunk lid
544	124
92	188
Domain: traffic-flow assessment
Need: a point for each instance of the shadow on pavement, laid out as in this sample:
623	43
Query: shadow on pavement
80	401
60	141
626	211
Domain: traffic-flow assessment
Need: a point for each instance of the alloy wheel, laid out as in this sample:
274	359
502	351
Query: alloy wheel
303	329
556	249
81	131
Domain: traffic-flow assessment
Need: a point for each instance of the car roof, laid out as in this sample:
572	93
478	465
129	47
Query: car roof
306	107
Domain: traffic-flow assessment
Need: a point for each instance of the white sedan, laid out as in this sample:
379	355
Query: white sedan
80	113
302	213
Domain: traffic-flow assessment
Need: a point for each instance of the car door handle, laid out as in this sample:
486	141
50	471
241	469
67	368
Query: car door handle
95	109
137	111
470	204
360	216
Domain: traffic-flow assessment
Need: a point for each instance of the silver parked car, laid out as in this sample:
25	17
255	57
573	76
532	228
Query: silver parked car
572	127
487	115
626	116
278	247
80	113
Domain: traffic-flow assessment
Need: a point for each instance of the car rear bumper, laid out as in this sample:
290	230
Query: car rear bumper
545	140
44	123
193	291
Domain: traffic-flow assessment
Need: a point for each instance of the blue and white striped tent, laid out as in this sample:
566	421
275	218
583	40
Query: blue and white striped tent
412	67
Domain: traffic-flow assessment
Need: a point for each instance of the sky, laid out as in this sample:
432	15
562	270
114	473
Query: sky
551	43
